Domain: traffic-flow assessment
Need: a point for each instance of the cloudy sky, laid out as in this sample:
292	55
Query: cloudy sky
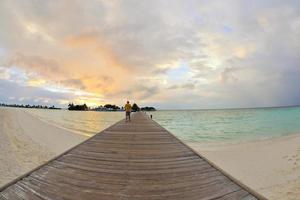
168	53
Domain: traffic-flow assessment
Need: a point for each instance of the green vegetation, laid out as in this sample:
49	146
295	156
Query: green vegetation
135	108
112	107
148	108
108	107
28	106
83	107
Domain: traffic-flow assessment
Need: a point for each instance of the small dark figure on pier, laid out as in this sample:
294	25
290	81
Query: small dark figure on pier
151	116
127	111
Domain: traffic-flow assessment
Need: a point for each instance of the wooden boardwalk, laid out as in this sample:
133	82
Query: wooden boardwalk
137	160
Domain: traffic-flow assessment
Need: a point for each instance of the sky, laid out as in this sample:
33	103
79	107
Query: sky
171	54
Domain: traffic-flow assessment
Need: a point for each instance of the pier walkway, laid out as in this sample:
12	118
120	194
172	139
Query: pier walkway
128	161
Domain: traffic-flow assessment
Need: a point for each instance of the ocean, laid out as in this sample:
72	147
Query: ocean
200	126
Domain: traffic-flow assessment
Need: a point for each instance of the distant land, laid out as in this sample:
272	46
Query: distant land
82	107
29	106
148	108
108	107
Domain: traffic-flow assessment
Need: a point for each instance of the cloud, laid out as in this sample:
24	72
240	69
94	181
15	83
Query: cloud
30	95
142	90
228	75
3	73
74	83
219	54
34	63
188	86
173	87
161	70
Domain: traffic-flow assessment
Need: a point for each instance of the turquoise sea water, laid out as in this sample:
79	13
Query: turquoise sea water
228	125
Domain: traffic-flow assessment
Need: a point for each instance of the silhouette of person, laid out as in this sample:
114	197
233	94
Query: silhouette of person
127	110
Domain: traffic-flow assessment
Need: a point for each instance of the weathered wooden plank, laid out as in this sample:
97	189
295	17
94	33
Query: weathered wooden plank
137	160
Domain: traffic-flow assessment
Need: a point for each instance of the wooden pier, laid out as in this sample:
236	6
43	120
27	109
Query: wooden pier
128	161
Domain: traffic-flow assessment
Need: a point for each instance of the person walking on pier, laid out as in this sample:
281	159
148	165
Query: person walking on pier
128	111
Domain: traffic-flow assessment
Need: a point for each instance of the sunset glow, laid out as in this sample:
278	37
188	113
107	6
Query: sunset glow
183	54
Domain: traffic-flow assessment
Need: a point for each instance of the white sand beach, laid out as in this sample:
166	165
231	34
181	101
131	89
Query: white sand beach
27	142
271	167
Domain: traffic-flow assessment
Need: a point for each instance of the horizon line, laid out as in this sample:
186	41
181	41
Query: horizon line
174	109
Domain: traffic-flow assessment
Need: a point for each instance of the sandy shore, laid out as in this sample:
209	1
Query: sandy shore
270	167
26	142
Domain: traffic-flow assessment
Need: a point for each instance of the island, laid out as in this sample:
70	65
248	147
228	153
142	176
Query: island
148	108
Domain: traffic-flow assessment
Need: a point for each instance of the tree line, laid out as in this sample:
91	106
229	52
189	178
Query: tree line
108	107
82	107
28	106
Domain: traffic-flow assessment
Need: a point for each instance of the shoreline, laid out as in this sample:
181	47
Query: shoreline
218	144
57	126
27	142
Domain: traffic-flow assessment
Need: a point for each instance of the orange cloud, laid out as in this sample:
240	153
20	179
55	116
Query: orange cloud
97	64
94	47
